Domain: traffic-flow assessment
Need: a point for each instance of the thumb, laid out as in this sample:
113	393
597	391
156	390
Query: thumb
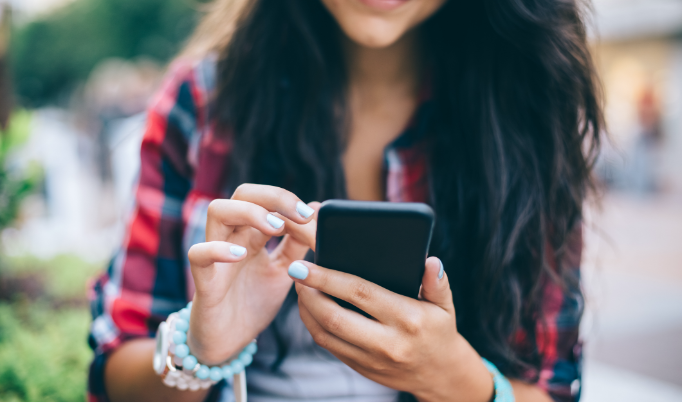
435	285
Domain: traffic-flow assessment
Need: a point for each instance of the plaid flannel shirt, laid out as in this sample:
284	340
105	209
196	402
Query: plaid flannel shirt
184	166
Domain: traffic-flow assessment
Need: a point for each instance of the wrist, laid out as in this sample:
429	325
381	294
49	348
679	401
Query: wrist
211	344
204	353
462	376
179	367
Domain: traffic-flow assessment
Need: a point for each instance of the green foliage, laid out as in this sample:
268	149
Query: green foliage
14	185
17	131
51	55
65	276
43	353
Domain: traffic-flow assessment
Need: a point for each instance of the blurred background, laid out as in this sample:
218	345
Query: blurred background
75	76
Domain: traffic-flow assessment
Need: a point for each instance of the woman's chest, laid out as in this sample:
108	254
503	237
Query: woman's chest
371	135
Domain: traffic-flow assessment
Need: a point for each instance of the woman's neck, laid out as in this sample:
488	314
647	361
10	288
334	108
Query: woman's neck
382	97
376	73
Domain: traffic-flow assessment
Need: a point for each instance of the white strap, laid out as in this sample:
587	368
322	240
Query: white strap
240	387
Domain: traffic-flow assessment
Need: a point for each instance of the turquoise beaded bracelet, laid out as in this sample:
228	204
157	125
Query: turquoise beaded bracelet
190	363
503	389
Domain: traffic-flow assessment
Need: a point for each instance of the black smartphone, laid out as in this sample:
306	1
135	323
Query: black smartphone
382	242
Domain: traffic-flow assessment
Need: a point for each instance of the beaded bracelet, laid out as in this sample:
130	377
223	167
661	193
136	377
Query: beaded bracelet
503	389
183	370
189	362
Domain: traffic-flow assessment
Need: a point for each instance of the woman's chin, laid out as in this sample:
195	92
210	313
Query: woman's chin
377	38
383	5
380	23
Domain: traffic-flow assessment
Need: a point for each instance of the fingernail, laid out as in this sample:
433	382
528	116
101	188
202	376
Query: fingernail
274	221
441	271
304	210
237	250
298	270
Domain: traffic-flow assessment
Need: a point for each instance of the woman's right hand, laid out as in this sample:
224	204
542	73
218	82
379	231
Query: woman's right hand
239	286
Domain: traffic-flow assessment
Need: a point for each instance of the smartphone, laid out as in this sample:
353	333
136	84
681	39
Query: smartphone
382	242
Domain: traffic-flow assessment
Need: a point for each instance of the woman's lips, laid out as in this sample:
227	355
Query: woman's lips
384	5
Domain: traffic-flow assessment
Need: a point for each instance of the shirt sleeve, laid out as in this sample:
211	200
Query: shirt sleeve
557	334
146	279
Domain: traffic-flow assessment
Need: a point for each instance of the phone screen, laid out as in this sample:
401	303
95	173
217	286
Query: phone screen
385	243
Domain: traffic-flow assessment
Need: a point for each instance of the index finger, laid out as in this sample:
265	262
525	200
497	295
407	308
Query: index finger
305	233
377	301
275	199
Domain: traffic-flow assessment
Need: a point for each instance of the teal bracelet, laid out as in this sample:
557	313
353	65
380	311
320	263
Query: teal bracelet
503	389
190	363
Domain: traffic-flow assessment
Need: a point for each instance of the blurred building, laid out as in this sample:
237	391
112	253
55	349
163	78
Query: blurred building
638	47
89	154
632	261
28	8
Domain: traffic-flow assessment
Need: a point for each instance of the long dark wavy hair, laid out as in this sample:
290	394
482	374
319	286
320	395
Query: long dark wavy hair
514	132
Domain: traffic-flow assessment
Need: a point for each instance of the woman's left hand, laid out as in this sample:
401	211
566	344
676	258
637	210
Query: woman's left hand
413	345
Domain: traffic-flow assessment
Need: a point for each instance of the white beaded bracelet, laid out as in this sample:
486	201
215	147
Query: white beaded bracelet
179	369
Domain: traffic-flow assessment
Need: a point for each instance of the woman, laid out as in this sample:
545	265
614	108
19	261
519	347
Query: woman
487	110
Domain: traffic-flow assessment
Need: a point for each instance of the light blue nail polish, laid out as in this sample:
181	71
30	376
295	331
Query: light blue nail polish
441	271
304	210
237	250
274	221
298	270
